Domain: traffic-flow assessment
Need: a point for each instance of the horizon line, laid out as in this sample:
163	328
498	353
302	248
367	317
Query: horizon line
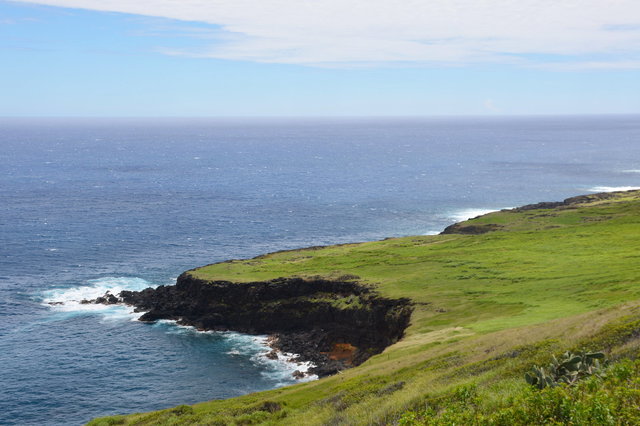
269	117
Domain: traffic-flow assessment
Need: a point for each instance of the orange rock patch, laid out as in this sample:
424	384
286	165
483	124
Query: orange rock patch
342	352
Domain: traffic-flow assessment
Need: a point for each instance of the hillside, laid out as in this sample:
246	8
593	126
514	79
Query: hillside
491	297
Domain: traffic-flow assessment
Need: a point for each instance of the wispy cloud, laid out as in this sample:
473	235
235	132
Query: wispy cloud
435	32
592	65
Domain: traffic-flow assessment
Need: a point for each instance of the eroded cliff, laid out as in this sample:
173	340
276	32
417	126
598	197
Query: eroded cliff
334	324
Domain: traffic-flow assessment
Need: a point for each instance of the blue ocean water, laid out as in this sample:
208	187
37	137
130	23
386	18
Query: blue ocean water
89	205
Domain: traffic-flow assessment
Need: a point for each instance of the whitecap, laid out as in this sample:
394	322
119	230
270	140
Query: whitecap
257	347
69	300
612	188
631	171
173	327
282	369
466	214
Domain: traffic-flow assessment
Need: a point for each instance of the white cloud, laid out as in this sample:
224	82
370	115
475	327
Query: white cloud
489	105
443	32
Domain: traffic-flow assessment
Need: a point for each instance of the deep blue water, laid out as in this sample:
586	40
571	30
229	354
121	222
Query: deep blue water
87	205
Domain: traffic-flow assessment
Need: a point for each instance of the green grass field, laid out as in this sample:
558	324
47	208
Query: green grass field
487	307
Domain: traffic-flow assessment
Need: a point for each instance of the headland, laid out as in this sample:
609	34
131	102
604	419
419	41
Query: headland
451	322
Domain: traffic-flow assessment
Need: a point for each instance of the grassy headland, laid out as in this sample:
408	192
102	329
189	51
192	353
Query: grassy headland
486	308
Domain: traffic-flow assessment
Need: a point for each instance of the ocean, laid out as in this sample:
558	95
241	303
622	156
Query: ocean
90	205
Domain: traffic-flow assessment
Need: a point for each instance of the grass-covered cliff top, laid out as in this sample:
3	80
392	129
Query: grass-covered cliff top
487	307
539	265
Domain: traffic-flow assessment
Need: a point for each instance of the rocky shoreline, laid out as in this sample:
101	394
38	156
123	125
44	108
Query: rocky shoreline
334	324
331	323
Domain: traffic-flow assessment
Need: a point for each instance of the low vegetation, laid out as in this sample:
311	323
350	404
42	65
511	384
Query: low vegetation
609	399
488	309
568	370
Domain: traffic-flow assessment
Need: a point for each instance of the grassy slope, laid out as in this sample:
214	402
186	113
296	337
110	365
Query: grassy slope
548	280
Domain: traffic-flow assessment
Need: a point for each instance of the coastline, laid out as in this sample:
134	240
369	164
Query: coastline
485	305
294	312
271	353
331	324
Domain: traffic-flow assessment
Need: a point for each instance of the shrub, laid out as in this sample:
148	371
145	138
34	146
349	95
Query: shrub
568	369
611	399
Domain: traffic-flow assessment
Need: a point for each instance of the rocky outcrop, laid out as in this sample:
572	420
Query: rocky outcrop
461	228
573	202
570	202
308	317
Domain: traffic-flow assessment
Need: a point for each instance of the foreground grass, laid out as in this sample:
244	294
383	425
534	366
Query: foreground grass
486	308
610	400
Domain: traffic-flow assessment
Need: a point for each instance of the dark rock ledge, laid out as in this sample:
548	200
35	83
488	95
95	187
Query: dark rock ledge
334	324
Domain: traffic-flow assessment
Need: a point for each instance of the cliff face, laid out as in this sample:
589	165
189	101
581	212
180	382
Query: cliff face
317	318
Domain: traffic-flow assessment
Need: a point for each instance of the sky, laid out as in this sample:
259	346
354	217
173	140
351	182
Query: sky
318	57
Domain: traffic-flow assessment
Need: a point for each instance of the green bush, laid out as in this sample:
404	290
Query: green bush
567	370
611	399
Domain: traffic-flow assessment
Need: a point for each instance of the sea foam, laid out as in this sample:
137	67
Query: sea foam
467	214
70	299
612	188
254	347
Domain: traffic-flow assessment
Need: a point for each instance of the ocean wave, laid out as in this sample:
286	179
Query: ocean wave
466	214
69	300
631	171
612	188
280	369
255	348
283	368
